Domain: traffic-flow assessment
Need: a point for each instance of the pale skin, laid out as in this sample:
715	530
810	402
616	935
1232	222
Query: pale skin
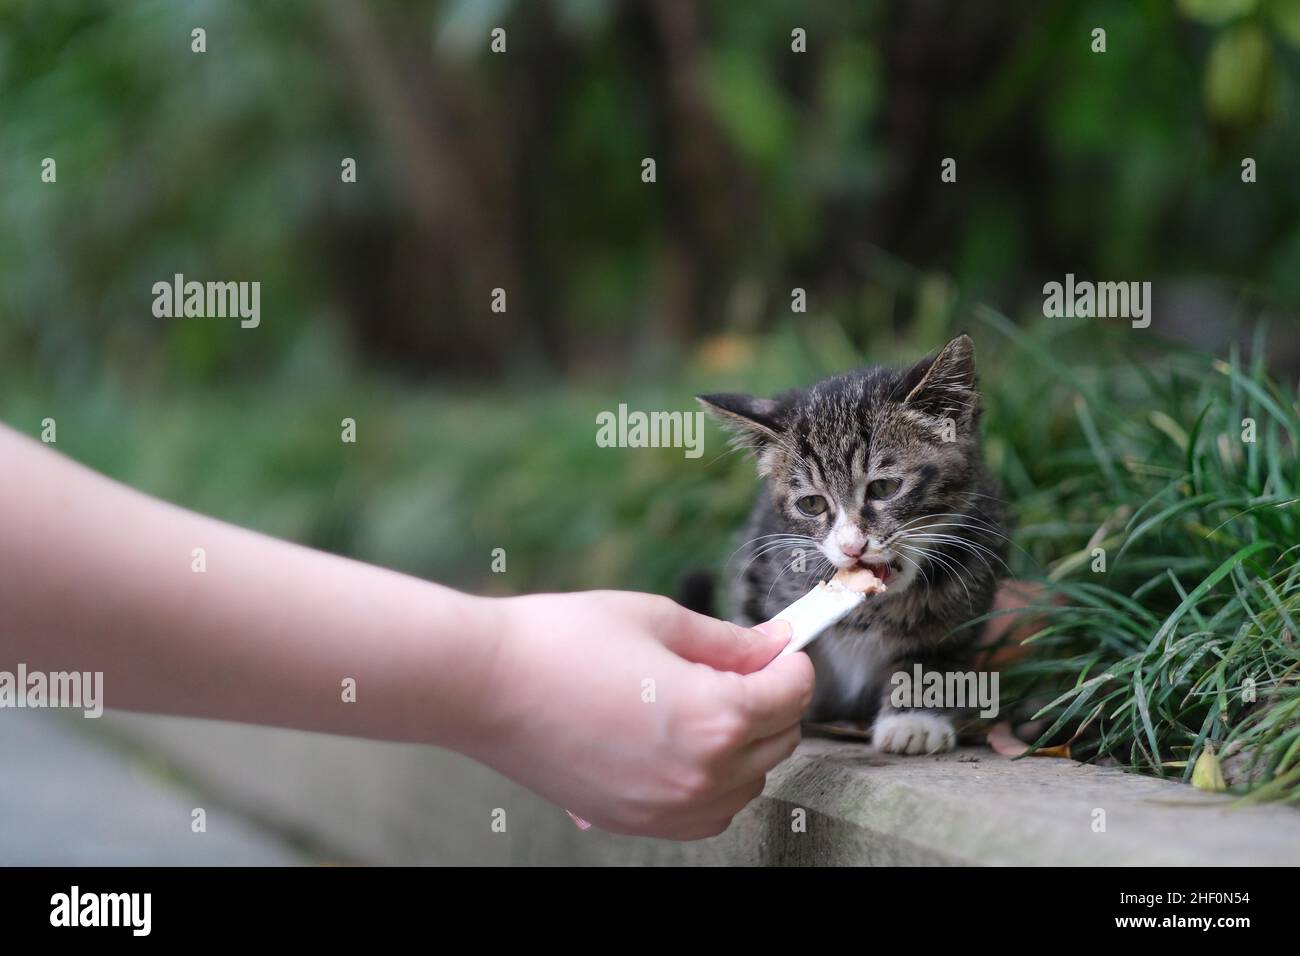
548	689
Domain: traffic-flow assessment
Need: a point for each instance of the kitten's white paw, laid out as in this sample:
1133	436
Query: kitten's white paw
913	732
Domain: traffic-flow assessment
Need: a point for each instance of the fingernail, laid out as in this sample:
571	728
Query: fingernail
582	824
779	629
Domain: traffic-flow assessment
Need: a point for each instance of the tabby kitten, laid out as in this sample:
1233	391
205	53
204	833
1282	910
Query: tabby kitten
880	468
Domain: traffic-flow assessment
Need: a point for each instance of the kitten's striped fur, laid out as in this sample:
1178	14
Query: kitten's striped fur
942	531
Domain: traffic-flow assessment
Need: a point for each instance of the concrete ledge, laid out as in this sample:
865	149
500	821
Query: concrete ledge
399	804
977	807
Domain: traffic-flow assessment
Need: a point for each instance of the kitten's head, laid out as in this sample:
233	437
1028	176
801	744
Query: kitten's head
861	462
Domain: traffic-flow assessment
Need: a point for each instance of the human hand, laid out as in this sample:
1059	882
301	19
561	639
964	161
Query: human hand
639	715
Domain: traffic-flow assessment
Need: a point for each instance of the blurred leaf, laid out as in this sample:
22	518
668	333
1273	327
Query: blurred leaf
1207	774
1285	15
1240	79
753	111
1215	12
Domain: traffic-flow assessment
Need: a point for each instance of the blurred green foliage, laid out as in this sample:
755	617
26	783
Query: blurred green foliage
775	170
521	170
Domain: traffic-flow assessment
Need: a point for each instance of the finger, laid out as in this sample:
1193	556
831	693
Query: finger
722	645
762	755
742	796
718	815
776	697
688	832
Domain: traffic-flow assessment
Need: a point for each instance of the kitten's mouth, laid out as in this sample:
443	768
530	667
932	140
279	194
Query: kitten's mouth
881	568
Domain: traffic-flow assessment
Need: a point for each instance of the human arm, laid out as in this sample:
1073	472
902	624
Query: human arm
548	689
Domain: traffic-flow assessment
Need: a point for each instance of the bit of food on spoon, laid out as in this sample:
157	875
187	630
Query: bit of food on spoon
828	602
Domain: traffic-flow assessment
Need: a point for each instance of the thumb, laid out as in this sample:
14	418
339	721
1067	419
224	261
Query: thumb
725	646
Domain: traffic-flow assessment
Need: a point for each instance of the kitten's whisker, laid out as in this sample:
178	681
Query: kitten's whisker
755	540
792	543
967	542
934	555
979	551
954	569
783	539
824	567
955	542
919	570
760	553
980	494
987	550
774	546
977	523
780	574
783	535
929	530
973	522
925	533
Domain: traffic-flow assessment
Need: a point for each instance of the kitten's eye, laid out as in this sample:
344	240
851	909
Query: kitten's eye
811	505
883	488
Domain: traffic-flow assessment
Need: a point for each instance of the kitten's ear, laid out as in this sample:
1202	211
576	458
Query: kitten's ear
745	415
944	386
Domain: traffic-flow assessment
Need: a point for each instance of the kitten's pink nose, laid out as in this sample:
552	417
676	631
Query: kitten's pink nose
852	550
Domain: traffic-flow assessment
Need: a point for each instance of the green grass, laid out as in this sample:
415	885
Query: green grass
1187	634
